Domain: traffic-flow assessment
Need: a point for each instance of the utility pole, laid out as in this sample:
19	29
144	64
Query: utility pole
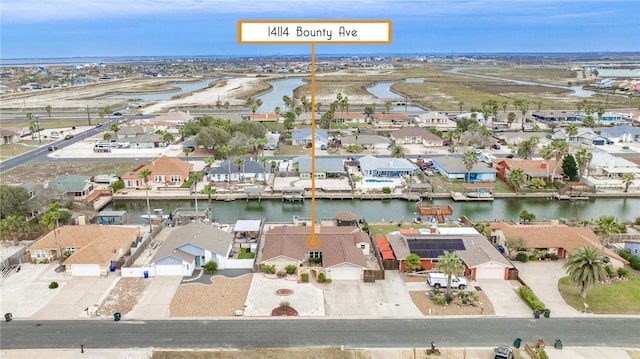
88	116
38	129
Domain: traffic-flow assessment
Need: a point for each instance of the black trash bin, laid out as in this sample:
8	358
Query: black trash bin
517	342
116	316
547	313
536	314
558	344
8	317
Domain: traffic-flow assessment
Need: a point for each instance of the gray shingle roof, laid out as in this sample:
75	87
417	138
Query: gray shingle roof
198	234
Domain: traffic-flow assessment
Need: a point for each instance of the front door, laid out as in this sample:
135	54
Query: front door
197	261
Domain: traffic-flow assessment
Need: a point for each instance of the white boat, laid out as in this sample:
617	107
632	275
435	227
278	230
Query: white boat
157	215
480	195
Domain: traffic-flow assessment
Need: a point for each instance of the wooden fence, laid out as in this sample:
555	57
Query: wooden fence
372	275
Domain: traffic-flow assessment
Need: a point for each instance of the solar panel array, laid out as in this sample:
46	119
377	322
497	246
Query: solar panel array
433	248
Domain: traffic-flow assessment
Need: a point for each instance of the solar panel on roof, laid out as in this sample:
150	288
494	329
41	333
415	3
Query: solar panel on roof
433	248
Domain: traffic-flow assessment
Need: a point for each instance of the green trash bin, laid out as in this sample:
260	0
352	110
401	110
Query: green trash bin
547	313
116	316
558	344
517	342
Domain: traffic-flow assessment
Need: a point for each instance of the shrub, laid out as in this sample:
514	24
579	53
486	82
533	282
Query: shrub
53	285
522	257
531	299
542	354
365	229
439	300
609	271
464	301
44	261
281	274
322	278
290	269
533	257
210	267
304	277
553	256
386	190
622	272
633	260
268	269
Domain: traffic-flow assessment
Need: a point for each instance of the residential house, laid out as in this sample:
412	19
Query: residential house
480	258
339	252
8	136
146	141
585	136
366	141
621	133
91	249
515	138
350	117
73	187
542	169
371	166
346	219
416	135
633	246
452	168
165	171
555	116
610	166
228	171
130	132
435	119
325	167
391	119
302	137
607	118
190	247
558	239
262	117
179	118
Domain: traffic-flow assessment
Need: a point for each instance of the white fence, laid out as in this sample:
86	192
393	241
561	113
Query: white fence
239	264
138	272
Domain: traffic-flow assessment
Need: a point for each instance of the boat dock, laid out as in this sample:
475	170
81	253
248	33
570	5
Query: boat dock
458	197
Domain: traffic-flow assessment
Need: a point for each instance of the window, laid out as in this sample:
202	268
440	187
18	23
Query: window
175	178
363	246
635	251
315	254
41	254
158	178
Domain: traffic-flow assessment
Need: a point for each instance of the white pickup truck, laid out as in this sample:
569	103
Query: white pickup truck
439	280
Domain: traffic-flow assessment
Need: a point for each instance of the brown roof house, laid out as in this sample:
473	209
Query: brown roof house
165	171
339	252
191	246
262	117
416	135
532	168
391	119
559	239
90	250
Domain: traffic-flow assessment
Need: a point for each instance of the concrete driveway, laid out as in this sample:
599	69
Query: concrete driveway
504	297
543	277
262	297
76	297
26	292
385	298
156	301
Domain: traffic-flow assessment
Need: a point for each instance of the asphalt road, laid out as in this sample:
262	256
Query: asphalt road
352	333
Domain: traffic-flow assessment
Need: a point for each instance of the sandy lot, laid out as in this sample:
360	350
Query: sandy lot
123	297
482	307
221	298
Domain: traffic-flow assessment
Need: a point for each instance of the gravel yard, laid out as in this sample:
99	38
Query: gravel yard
124	296
219	299
424	303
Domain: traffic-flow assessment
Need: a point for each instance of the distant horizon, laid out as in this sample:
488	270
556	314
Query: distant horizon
33	29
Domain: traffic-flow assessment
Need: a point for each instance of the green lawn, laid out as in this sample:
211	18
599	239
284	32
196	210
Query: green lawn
619	297
244	255
13	149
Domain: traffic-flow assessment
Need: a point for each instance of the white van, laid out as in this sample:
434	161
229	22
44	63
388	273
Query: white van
439	280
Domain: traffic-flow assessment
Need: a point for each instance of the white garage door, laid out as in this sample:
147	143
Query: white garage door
85	270
345	274
168	270
490	272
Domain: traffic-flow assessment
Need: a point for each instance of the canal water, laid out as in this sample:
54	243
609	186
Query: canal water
394	210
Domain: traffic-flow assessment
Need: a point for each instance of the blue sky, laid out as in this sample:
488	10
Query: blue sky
95	28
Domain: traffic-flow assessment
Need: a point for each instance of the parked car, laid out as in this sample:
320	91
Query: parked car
98	125
52	148
68	137
117	114
55	134
439	280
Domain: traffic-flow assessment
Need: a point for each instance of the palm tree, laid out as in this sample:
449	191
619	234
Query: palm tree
469	159
547	152
208	163
606	226
560	149
585	267
527	148
397	151
48	108
14	227
572	131
225	152
144	174
186	152
583	159
51	218
450	264
263	161
239	162
209	190
627	180
517	178
196	176
460	106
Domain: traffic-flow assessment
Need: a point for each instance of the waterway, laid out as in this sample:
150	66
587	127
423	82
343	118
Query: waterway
280	88
578	91
395	210
182	87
